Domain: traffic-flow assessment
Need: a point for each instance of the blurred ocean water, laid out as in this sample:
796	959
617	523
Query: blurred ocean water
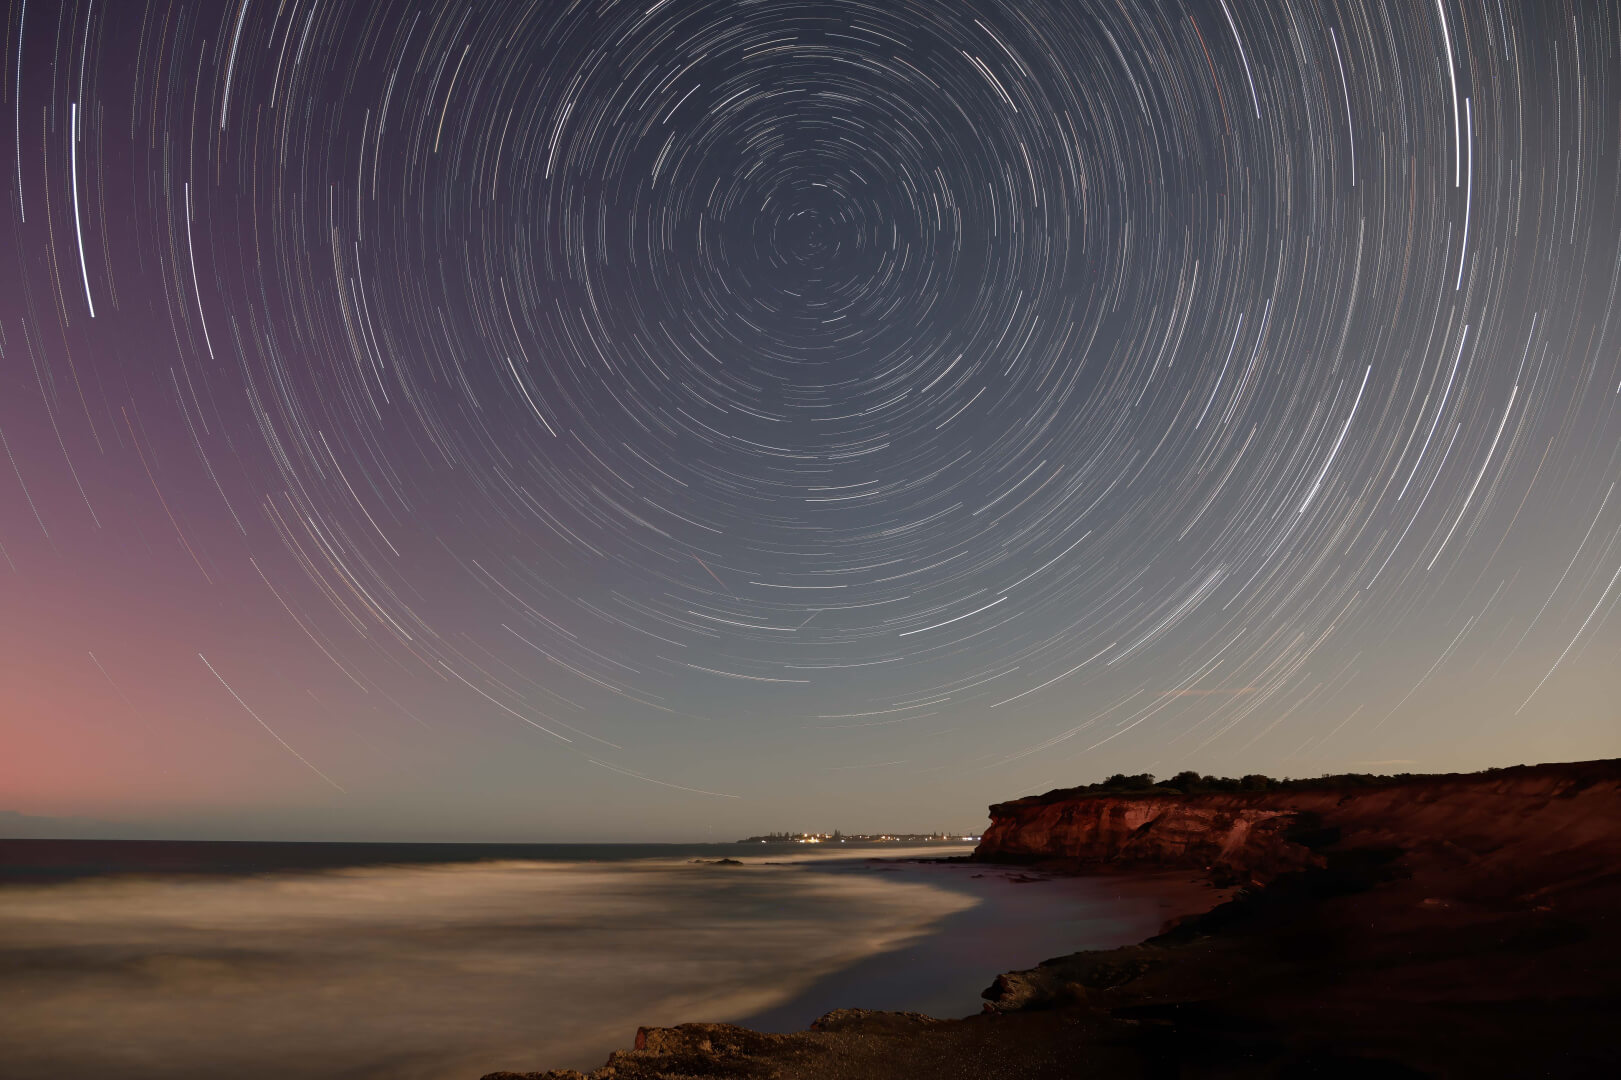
415	962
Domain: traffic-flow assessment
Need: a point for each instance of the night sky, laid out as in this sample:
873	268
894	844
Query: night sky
678	419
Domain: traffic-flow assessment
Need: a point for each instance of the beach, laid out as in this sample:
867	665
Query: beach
1020	918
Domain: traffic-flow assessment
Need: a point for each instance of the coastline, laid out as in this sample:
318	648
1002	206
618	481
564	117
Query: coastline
1019	918
824	1032
1444	926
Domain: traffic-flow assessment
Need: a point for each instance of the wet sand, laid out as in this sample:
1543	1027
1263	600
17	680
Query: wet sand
1019	919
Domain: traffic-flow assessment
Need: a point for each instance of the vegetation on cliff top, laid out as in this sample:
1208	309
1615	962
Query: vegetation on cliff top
1581	773
1192	783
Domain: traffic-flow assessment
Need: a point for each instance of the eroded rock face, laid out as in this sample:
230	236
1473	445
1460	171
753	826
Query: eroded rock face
1503	826
1198	832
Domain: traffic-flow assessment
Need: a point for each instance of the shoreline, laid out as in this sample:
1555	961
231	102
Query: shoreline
1260	985
1453	926
1018	920
823	1031
416	971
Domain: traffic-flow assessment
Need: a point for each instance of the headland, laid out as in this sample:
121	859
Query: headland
1456	925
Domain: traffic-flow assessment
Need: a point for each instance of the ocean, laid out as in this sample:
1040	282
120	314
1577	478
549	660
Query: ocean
148	960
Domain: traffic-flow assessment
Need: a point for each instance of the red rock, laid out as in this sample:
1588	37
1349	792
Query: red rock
1506	824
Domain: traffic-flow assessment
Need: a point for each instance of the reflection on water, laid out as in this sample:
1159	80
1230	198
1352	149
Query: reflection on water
419	971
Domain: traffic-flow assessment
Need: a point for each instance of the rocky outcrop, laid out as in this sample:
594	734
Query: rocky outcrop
1221	834
1449	926
1505	826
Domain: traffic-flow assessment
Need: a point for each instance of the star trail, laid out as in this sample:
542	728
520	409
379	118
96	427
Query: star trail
509	415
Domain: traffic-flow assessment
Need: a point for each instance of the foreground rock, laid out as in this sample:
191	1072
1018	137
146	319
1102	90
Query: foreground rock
856	1045
1459	926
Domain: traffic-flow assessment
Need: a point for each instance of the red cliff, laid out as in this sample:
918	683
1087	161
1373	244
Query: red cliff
1506	825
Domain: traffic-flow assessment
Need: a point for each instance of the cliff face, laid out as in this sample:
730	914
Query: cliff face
1233	834
1508	825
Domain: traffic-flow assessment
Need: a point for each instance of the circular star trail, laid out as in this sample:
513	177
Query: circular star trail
502	405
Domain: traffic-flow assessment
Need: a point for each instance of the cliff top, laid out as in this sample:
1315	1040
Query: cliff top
1145	785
